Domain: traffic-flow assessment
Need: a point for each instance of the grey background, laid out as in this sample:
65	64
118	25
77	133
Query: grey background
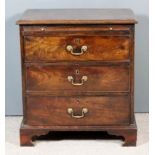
14	9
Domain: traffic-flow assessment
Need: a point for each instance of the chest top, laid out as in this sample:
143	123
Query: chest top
77	16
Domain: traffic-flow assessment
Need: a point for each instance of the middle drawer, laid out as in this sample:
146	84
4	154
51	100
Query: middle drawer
45	77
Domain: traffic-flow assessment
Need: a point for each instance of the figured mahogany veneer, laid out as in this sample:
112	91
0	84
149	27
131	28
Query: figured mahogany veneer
51	48
54	111
78	72
99	78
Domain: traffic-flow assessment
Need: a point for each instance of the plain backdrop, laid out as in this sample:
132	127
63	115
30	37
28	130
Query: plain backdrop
14	9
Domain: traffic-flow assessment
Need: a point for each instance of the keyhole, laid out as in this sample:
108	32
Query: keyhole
77	71
77	41
77	100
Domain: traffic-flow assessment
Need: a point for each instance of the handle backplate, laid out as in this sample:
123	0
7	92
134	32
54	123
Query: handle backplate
83	112
70	49
83	79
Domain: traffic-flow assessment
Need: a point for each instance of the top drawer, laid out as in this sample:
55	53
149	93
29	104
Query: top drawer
102	45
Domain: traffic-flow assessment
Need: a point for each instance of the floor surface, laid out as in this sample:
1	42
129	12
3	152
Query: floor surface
76	147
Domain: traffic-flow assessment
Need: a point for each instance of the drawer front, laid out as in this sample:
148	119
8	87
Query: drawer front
77	111
79	48
77	78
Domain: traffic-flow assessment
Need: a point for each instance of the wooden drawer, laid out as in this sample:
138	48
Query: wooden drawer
106	78
70	48
92	110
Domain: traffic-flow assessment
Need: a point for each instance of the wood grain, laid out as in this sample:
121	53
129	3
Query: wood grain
101	110
77	16
51	48
93	28
99	78
128	132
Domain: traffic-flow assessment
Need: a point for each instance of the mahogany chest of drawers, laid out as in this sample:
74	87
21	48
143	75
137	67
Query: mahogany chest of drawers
78	72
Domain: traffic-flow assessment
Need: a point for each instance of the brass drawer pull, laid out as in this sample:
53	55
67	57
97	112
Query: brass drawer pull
71	112
83	79
70	49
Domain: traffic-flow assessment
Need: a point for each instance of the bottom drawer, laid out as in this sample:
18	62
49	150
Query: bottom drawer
101	110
